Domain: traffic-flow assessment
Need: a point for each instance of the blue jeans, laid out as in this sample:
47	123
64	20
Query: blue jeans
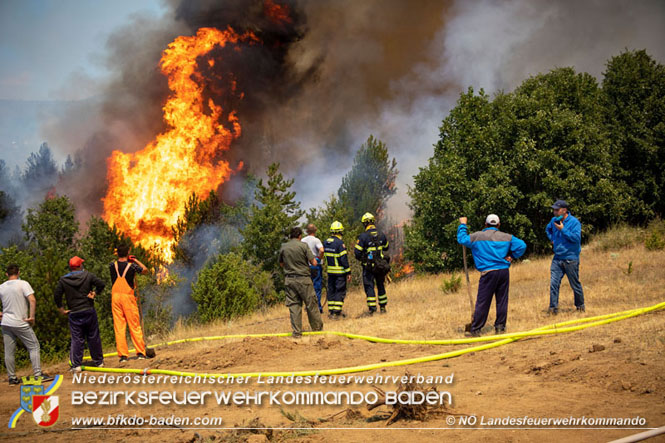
317	279
571	268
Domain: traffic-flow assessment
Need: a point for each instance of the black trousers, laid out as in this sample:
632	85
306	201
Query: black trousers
84	327
368	283
493	283
336	293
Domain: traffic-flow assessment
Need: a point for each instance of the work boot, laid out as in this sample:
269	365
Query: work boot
123	358
14	381
383	309
140	356
552	311
499	330
581	309
472	334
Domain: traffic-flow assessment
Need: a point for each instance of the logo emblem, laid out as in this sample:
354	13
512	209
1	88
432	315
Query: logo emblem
45	409
30	388
38	400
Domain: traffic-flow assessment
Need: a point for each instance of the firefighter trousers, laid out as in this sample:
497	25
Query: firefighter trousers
368	283
336	293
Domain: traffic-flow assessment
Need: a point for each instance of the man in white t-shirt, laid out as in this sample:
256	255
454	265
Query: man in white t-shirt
18	317
316	272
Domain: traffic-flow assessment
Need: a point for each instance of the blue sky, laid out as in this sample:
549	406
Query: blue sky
49	49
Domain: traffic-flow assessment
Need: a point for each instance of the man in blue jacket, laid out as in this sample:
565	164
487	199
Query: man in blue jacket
565	233
493	252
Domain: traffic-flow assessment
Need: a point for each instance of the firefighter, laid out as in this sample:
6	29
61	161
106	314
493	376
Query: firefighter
339	271
370	250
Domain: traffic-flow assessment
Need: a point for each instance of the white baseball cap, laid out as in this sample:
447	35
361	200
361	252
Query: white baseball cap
492	220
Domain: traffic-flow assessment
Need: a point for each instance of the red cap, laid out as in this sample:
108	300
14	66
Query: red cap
75	262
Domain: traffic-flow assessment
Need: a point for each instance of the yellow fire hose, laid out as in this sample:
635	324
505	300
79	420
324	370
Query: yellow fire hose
496	341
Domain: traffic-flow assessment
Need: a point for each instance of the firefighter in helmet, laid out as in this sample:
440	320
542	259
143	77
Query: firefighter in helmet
339	271
370	250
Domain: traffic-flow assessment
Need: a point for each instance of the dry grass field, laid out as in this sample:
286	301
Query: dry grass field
561	375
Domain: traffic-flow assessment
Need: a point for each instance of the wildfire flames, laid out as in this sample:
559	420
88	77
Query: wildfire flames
148	189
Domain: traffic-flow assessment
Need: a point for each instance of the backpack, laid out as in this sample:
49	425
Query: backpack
378	264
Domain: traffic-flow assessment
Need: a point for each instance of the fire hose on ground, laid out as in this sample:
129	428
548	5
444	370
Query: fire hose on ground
496	341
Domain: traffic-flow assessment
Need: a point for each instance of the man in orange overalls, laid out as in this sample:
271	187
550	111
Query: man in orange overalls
123	303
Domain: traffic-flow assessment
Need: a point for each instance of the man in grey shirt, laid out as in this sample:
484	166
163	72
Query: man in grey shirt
316	272
18	317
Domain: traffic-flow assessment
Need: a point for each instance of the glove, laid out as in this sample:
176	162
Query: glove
131	258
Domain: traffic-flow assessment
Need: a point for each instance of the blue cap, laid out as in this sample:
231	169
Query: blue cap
560	204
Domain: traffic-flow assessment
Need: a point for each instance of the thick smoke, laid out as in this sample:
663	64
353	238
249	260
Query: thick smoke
333	72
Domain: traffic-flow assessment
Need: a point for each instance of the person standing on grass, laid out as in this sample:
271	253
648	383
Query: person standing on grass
124	305
80	288
18	318
296	257
493	252
565	233
316	271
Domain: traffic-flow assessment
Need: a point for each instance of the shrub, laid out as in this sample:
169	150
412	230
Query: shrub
655	238
230	287
618	237
654	241
452	284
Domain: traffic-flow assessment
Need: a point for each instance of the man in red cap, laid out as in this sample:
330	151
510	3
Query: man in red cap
80	288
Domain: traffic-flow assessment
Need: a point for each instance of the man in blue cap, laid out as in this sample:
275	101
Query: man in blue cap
565	233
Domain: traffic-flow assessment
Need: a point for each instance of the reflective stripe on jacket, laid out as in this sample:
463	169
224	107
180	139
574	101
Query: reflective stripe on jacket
367	243
336	257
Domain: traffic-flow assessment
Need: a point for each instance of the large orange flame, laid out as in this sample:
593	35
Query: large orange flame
148	189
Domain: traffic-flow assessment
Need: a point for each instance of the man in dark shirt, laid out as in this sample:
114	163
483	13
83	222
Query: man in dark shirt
295	257
80	288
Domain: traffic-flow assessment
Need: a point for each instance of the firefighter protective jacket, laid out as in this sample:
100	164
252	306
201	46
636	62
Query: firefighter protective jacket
370	241
334	252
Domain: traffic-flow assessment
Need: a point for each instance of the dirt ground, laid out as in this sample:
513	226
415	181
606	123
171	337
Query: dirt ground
553	376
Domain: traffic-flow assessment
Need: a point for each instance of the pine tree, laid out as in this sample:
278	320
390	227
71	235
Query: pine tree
370	182
272	216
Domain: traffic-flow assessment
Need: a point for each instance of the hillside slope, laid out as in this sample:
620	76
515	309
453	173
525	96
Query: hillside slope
615	370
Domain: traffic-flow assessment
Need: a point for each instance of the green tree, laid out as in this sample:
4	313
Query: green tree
41	171
513	156
370	182
5	208
634	97
272	216
230	287
365	188
51	226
